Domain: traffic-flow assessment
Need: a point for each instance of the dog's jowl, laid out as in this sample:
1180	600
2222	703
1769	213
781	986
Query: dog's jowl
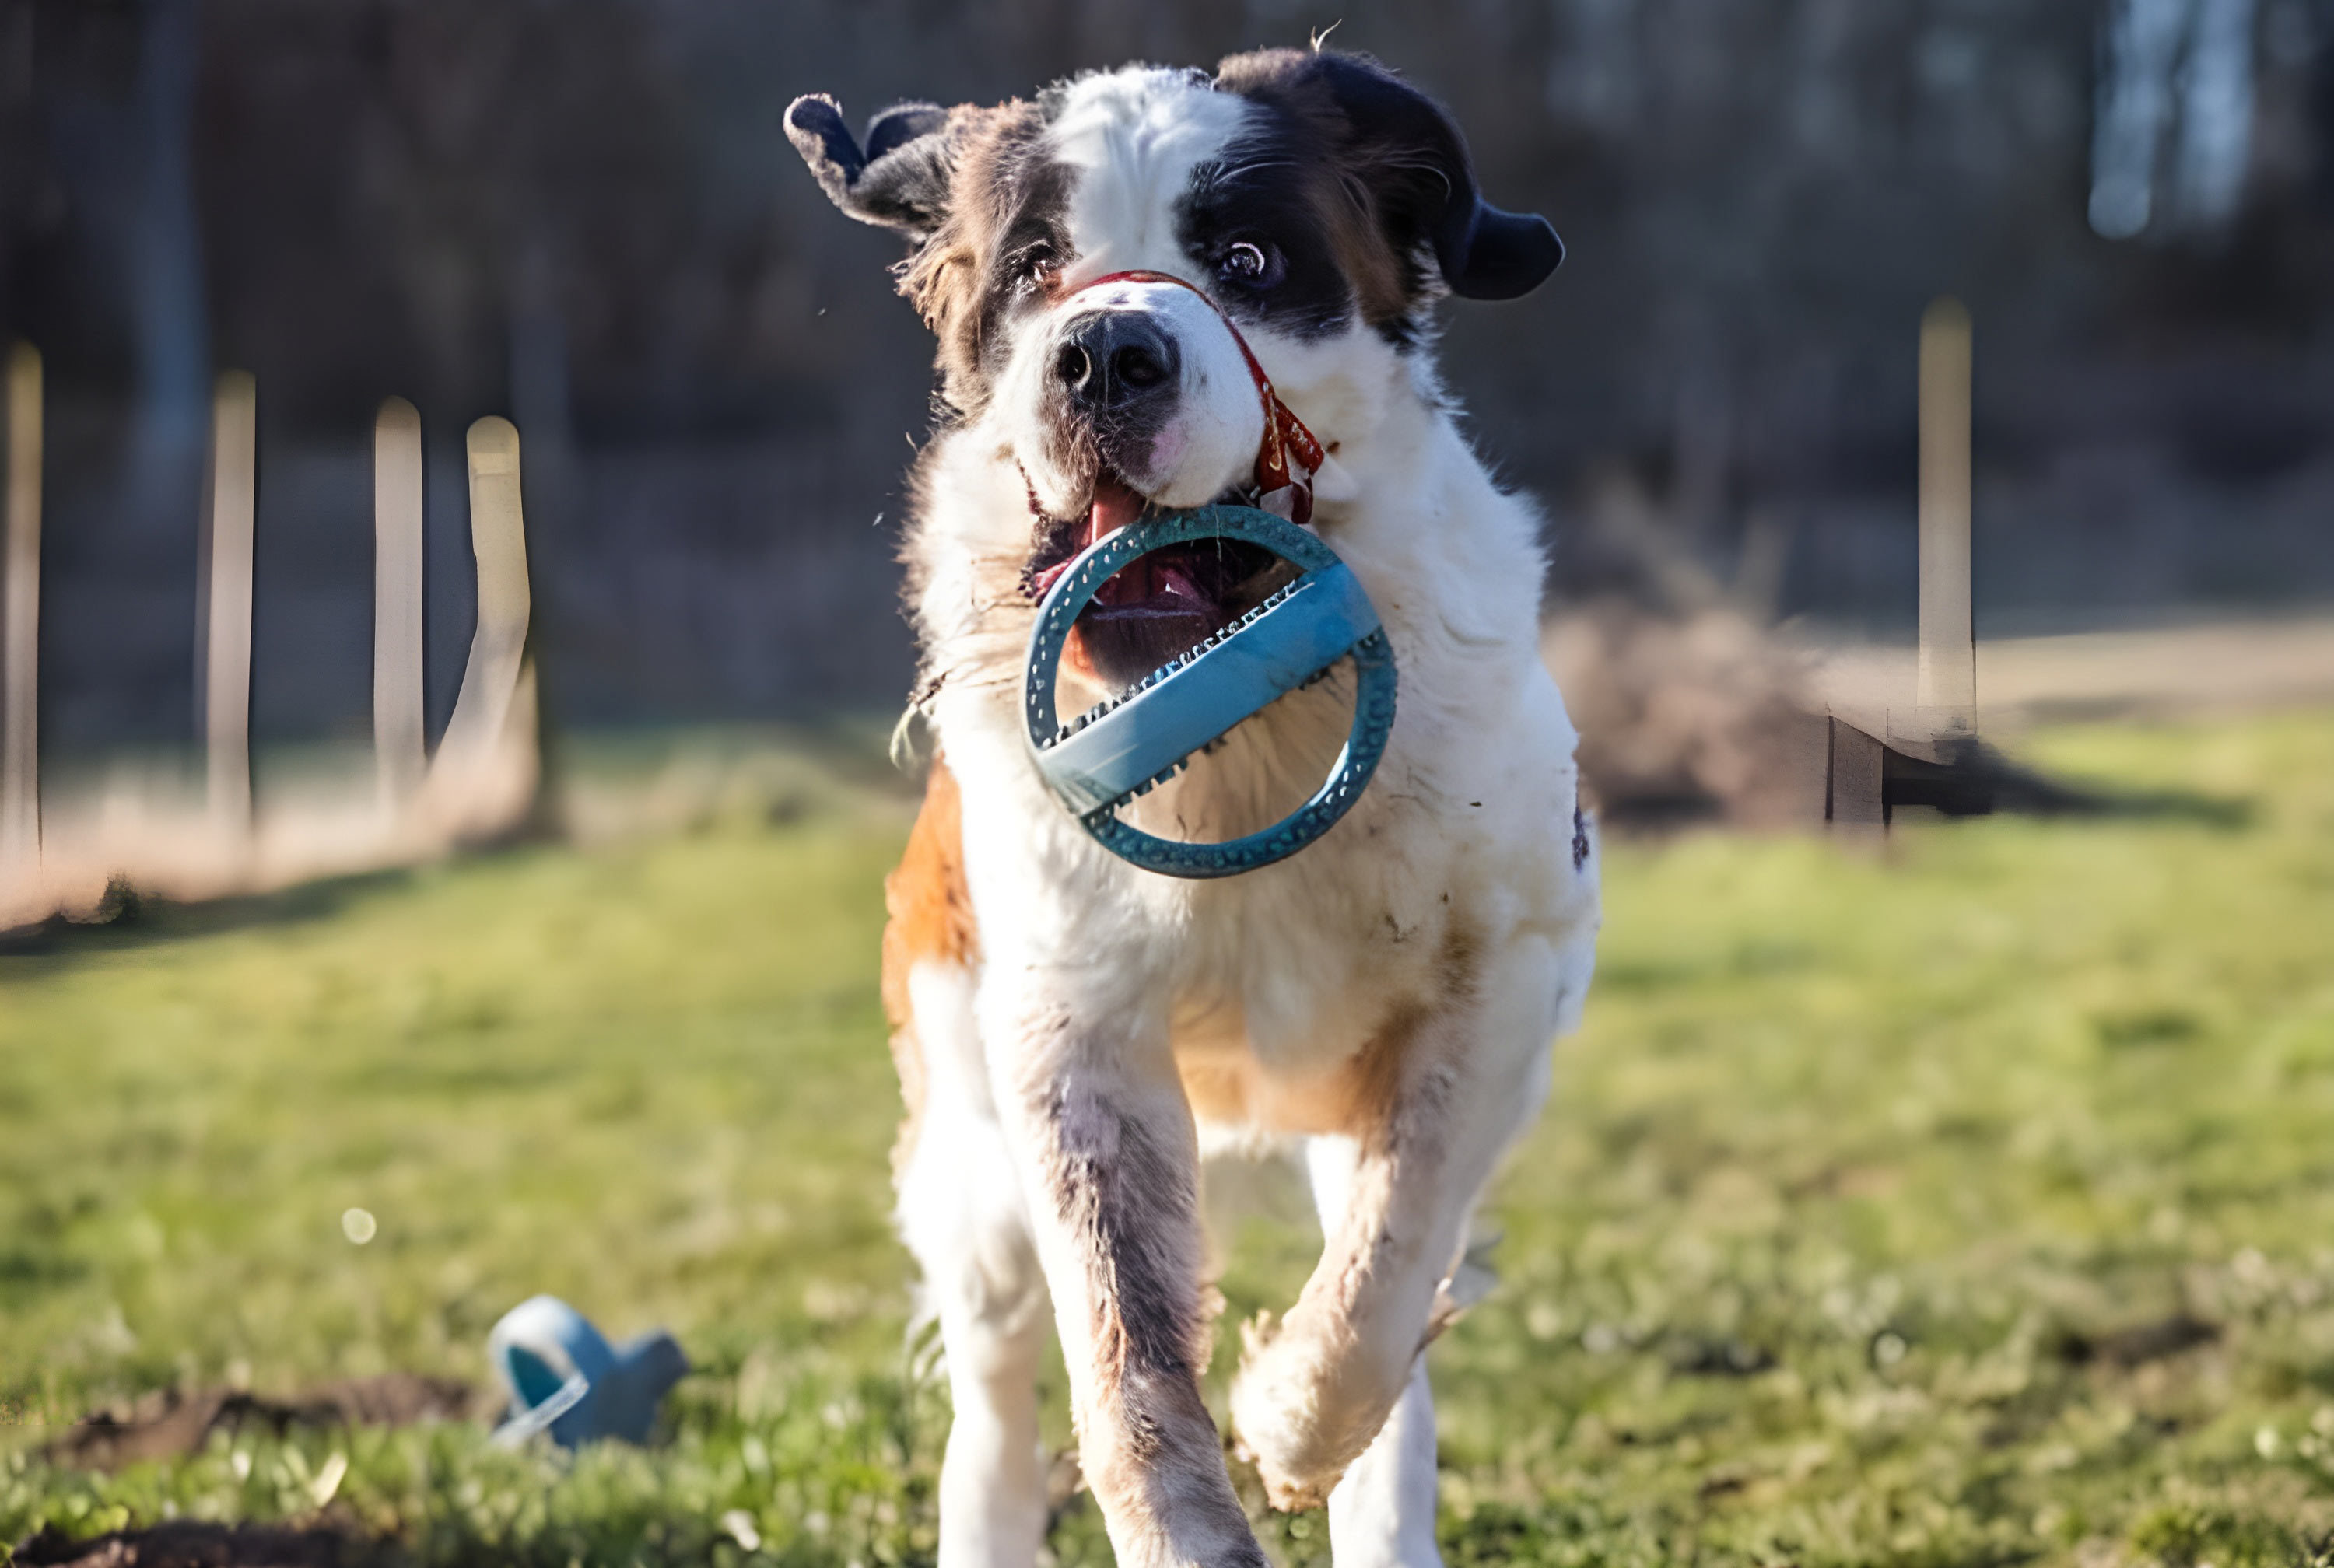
1077	1038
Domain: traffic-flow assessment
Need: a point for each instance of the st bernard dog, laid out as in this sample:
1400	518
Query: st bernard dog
1076	1037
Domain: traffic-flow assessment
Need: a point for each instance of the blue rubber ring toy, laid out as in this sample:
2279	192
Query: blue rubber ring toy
1119	749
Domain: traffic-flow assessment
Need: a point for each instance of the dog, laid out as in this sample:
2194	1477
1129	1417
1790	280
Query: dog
1075	1036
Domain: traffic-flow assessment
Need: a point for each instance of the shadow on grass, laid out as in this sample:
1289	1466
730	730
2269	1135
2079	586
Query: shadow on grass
1977	780
126	919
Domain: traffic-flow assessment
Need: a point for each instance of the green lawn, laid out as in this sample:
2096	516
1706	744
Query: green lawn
1831	1249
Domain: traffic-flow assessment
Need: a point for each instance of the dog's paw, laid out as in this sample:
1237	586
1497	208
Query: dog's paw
1276	1410
1289	1496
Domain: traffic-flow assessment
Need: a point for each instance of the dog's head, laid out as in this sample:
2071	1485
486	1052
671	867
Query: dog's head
1315	205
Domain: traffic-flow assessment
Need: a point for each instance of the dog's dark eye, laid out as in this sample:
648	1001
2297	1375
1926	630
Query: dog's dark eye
1036	267
1259	266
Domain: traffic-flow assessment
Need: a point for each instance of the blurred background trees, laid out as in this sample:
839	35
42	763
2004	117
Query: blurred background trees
583	214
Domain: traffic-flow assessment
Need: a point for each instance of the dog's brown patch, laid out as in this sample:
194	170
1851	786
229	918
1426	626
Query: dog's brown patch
1000	185
1360	1096
1228	1086
931	921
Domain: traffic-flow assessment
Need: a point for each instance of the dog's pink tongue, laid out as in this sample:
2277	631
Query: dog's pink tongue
1115	506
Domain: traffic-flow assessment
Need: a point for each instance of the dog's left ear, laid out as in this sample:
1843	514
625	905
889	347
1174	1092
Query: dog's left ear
1408	153
900	181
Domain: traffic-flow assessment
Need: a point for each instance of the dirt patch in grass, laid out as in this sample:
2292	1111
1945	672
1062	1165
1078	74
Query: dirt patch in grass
175	1422
187	1544
2141	1343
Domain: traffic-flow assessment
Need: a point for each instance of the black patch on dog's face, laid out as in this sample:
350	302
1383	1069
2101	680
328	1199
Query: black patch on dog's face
1261	196
1388	184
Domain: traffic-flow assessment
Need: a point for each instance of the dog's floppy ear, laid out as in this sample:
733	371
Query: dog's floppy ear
1409	154
900	181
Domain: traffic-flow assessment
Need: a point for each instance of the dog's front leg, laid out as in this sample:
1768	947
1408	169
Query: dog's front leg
1100	1127
1453	1084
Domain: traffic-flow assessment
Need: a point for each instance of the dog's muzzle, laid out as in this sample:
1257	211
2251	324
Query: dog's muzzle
1290	454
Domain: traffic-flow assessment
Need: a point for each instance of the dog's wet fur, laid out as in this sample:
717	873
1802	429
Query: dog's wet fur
1077	1038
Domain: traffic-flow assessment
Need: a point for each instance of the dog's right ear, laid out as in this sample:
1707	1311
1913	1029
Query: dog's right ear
900	181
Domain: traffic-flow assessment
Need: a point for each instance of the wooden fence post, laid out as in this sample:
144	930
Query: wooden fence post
1946	685
397	627
227	640
20	616
498	684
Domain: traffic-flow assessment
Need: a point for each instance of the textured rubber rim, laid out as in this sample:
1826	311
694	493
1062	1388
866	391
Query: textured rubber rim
1374	695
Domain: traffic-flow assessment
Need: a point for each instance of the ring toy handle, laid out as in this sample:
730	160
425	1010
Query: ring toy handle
1106	756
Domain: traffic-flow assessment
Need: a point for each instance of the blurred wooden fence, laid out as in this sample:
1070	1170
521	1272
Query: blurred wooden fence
60	852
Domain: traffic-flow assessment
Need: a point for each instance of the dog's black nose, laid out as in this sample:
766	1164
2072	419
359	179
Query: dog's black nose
1115	358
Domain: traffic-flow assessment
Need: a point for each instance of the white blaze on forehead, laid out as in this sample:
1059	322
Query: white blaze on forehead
1134	137
1130	141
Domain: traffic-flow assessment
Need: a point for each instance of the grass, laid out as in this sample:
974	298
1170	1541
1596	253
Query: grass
1842	1243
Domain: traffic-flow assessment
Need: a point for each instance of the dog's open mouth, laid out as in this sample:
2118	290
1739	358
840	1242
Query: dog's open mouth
1157	607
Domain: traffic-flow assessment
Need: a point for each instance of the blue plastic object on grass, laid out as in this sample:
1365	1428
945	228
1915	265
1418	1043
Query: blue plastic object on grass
566	1380
1106	757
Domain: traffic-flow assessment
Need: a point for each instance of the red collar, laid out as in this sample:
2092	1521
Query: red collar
1285	435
